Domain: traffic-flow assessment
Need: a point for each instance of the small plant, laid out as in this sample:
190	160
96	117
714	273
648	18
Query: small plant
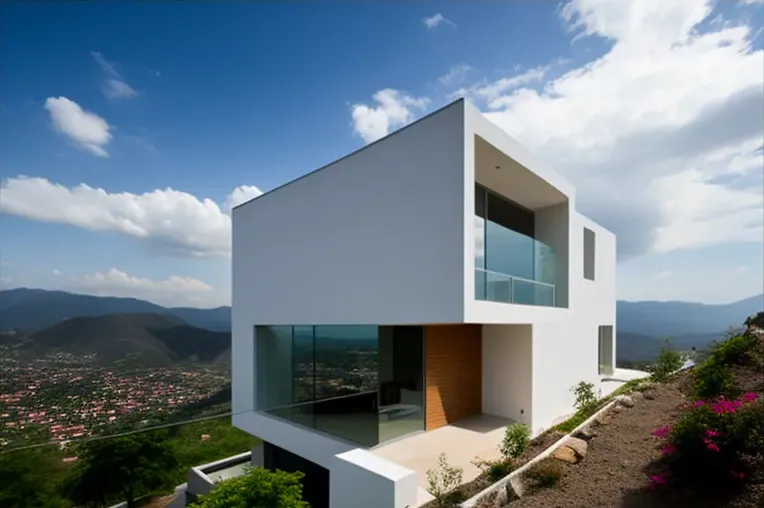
668	361
584	393
516	439
442	481
494	470
545	473
712	379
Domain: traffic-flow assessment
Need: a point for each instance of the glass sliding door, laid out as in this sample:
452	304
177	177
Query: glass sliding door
401	381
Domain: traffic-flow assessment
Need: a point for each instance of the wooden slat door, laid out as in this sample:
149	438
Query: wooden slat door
453	377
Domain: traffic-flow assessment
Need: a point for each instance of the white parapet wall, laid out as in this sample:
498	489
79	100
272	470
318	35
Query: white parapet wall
361	479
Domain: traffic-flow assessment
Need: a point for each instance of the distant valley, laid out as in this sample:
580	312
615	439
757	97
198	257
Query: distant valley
119	327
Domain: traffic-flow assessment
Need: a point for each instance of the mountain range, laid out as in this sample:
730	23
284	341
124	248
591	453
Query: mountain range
34	309
57	319
150	340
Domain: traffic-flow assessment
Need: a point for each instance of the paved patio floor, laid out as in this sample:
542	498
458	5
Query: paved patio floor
462	441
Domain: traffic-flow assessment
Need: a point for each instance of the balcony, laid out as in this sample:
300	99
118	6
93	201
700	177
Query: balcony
511	266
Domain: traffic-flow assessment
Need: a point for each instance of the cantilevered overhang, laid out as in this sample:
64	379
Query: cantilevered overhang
500	163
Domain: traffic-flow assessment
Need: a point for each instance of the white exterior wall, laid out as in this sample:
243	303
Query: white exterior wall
565	350
360	479
507	380
374	238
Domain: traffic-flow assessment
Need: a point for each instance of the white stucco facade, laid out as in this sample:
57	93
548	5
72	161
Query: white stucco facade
386	236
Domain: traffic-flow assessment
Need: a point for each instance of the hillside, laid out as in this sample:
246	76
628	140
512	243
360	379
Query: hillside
34	309
155	339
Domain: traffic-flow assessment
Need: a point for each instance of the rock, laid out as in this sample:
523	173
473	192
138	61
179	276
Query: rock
515	488
577	445
566	454
637	396
586	433
649	395
617	409
626	401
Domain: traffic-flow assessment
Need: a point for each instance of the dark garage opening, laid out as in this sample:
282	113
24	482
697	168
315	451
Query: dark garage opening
315	488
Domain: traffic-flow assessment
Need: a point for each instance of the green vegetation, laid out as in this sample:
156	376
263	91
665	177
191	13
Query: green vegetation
668	361
120	468
45	481
584	393
516	439
442	482
259	488
32	478
587	410
717	440
712	379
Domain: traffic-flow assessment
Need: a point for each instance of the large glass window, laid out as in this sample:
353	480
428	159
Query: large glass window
364	384
510	264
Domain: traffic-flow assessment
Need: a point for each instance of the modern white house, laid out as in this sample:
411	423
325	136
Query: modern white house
438	275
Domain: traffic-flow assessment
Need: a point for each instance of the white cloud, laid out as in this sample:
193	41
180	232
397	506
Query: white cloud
169	221
435	20
115	86
663	274
494	92
116	89
241	194
661	135
394	109
455	75
174	291
88	130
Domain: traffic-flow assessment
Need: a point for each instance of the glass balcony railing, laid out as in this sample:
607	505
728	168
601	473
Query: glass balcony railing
498	287
354	418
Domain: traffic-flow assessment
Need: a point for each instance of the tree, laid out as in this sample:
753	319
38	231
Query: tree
257	488
25	479
121	468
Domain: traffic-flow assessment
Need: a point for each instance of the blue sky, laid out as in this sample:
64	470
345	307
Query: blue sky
204	98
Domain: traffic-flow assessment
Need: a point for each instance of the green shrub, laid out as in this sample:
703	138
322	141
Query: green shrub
712	379
708	441
494	470
668	361
257	487
443	480
584	393
545	473
735	350
515	442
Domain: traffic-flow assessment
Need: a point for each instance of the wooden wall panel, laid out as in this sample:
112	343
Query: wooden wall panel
453	377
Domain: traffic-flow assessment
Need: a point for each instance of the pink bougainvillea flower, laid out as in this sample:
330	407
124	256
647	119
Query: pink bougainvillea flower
724	406
713	433
668	449
713	447
750	397
659	479
699	403
737	475
662	432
